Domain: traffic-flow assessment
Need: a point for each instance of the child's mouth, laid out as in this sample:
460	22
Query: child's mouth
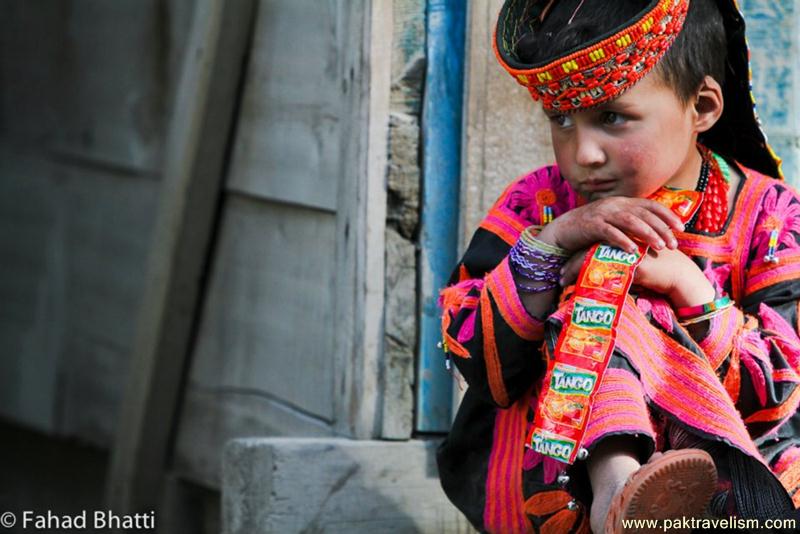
594	187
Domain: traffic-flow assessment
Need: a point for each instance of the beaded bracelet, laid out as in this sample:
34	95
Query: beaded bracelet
529	238
691	312
704	317
536	261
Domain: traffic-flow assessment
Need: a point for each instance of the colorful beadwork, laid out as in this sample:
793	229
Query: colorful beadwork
547	214
714	211
536	261
605	69
546	198
690	312
773	245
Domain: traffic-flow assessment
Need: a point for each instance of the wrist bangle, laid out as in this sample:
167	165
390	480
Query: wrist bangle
704	317
546	286
528	237
691	312
535	261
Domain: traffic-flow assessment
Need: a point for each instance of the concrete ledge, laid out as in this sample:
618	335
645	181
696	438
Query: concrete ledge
334	485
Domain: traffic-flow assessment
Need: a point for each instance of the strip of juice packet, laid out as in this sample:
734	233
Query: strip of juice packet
587	339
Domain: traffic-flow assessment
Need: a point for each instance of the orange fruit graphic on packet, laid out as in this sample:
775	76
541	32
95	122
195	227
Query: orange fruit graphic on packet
563	409
606	277
586	343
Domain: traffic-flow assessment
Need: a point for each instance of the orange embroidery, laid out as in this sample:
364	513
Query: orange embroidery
733	379
559	523
494	369
779	412
545	197
463	273
547	502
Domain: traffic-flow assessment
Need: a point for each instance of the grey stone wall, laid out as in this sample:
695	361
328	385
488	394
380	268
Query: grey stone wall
403	185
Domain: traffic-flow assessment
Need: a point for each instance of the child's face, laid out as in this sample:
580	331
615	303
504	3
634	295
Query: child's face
630	146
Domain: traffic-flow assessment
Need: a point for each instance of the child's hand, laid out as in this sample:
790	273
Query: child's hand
611	220
668	272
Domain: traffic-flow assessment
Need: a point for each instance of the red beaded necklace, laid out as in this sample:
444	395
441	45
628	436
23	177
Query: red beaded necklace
714	209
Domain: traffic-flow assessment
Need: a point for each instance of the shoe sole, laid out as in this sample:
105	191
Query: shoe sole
678	484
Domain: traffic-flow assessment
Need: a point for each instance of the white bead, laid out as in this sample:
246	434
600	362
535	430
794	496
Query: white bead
572	505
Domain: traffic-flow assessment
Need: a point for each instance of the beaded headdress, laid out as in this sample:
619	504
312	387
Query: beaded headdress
605	67
601	70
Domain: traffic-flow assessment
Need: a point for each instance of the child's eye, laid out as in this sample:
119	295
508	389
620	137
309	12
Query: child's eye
612	118
562	121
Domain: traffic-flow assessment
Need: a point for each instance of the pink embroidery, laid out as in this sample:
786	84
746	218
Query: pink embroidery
552	468
787	458
779	213
772	320
718	276
659	308
522	198
459	291
467	330
752	349
453	299
786	338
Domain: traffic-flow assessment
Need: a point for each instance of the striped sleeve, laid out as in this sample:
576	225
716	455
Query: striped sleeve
755	347
494	341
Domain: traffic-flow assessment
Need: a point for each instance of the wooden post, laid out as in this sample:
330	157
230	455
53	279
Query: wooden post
194	166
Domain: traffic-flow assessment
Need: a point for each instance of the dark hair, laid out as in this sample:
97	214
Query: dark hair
699	50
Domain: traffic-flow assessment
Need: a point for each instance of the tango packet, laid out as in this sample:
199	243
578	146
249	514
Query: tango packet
587	339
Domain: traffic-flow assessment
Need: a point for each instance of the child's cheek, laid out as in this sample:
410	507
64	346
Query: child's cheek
637	162
634	157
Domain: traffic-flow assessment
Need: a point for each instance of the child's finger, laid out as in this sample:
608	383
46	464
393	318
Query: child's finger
660	227
617	238
635	228
571	269
665	214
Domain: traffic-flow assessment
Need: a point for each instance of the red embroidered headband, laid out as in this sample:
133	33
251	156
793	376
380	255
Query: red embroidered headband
601	70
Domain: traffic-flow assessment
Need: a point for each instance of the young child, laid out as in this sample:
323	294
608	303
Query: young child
626	382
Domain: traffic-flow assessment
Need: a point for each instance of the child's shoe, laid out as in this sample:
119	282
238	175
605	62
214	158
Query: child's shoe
677	484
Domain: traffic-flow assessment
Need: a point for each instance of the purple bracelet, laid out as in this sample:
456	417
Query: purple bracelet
535	263
524	288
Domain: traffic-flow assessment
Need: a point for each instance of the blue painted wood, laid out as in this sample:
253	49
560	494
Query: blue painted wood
441	123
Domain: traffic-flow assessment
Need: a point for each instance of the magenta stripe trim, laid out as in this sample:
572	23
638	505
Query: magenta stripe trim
501	284
783	270
502	224
701	382
719	341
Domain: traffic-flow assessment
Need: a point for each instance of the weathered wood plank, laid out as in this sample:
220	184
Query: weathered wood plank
198	136
32	297
293	117
108	224
109	114
361	219
212	416
267	322
271	485
74	243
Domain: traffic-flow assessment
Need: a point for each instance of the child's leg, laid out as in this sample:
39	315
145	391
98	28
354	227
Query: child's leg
609	466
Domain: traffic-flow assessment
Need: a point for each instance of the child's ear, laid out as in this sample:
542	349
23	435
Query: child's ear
708	104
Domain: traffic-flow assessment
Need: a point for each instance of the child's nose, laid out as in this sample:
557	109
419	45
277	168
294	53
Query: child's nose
588	151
